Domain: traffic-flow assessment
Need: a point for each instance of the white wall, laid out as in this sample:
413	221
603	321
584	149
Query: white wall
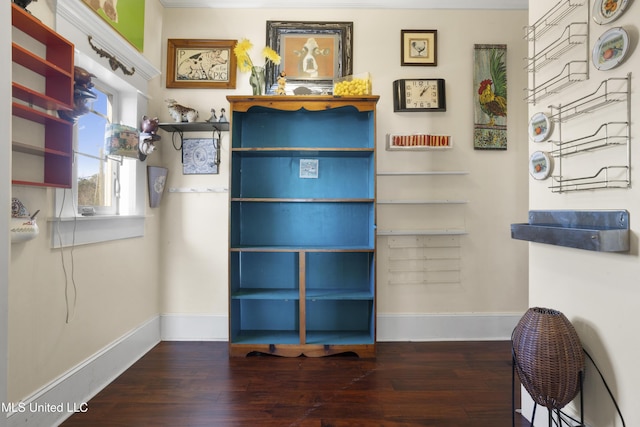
5	197
185	245
494	268
108	290
598	292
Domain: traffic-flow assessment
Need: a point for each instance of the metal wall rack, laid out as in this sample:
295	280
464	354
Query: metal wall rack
612	91
572	35
181	127
600	230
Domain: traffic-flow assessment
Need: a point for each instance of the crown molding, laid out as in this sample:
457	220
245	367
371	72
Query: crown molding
350	4
84	20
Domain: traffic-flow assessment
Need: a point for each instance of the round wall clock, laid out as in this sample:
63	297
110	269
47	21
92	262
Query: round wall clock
606	11
419	95
610	49
540	165
540	127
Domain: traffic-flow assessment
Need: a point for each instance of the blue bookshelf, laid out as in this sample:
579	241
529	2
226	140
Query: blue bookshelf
302	225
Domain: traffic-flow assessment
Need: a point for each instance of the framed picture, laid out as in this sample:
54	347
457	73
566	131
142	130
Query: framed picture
127	18
201	64
490	97
312	54
419	47
200	156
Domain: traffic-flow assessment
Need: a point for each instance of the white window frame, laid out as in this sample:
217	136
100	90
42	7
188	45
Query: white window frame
76	22
70	228
115	117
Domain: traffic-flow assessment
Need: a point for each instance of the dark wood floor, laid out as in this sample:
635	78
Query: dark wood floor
195	384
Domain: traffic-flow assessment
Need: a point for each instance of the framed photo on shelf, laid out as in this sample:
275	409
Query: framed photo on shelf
312	54
201	64
419	47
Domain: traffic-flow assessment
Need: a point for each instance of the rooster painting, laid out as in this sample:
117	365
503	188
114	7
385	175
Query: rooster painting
490	80
492	93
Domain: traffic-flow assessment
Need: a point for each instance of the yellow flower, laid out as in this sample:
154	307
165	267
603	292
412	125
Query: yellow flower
271	55
244	62
241	50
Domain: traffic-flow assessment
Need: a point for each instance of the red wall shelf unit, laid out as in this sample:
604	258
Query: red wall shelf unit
31	104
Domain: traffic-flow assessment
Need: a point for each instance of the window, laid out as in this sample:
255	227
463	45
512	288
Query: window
129	103
100	178
97	175
107	200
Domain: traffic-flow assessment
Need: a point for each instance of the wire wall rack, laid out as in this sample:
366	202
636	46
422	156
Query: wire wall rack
609	134
552	49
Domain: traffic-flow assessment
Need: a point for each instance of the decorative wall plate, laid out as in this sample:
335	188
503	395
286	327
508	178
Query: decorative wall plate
606	11
540	165
610	49
540	127
18	209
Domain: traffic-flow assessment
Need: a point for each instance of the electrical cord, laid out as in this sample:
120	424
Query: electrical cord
613	399
69	315
562	413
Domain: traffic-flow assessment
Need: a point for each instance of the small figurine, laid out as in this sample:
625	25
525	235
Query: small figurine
146	145
149	125
180	113
23	3
223	118
82	95
282	82
213	117
82	78
302	90
147	137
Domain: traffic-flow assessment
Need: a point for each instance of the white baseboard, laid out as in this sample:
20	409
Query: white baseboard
194	327
69	393
391	327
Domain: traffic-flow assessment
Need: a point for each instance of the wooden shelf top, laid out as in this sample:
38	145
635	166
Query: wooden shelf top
308	102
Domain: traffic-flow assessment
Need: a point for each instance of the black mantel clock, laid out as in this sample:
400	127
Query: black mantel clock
419	95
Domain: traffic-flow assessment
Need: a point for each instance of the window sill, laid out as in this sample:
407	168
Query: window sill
84	230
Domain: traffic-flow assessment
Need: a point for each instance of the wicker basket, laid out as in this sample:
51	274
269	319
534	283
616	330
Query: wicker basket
548	356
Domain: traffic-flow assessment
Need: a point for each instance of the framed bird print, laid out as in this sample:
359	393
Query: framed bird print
419	47
490	97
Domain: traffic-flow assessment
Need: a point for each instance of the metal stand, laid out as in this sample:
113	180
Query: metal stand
562	417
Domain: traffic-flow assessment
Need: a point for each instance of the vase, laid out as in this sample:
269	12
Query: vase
257	80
